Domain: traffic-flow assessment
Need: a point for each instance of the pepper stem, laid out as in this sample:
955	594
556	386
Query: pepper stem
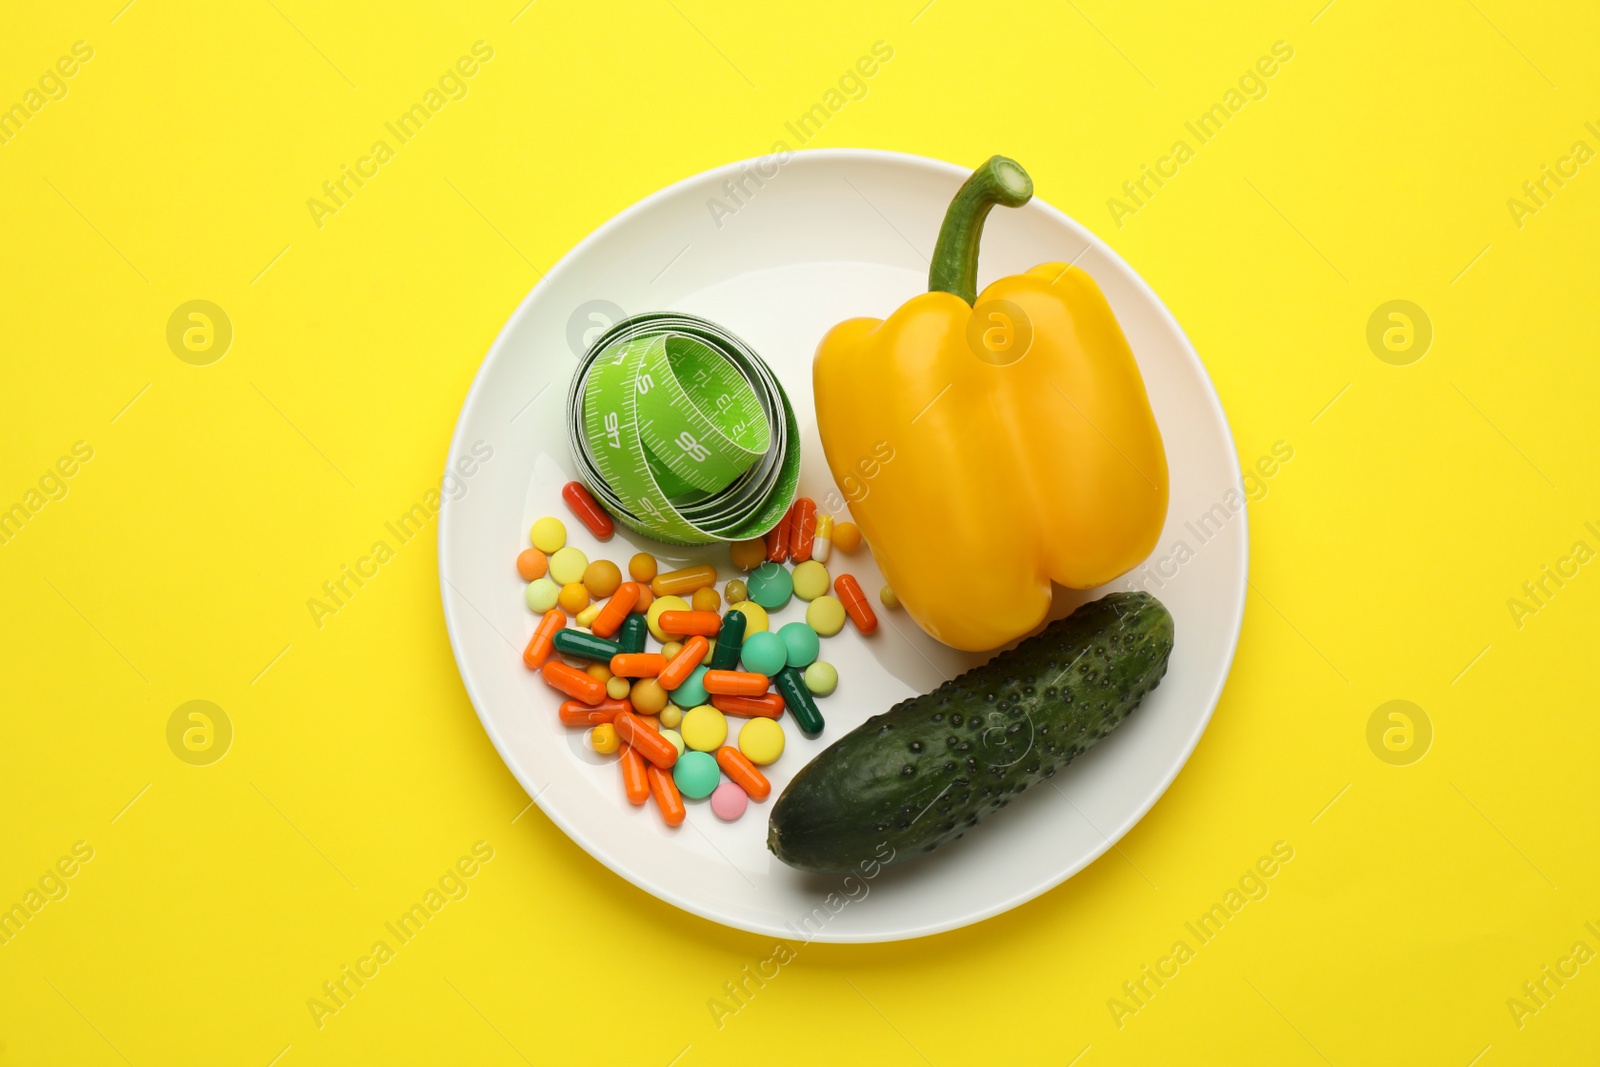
955	258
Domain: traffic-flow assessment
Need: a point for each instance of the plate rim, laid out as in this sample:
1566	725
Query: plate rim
594	850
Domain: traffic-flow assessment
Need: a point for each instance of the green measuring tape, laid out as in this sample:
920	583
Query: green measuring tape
682	432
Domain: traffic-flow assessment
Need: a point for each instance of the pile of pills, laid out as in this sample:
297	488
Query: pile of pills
665	713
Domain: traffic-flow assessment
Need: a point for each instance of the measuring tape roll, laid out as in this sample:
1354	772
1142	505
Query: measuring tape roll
682	432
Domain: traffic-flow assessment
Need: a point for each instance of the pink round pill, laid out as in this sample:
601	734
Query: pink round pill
728	801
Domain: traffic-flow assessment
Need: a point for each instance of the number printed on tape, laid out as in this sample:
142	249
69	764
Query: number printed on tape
646	383
692	448
613	429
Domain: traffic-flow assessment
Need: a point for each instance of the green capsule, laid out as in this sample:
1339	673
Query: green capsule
791	685
579	645
730	639
633	633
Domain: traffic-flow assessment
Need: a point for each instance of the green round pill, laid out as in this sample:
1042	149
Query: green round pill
810	580
696	774
770	586
821	678
692	693
764	653
800	643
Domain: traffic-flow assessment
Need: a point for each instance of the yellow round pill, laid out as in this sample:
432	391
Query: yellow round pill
604	740
617	688
704	729
548	535
761	740
676	739
810	580
653	616
825	615
568	564
887	598
671	716
671	649
599	672
755	616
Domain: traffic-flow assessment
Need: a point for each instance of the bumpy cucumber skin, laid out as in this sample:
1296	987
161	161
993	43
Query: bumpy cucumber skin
932	767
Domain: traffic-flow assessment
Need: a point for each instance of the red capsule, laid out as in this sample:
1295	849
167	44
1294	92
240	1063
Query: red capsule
802	529
588	510
778	538
766	706
855	603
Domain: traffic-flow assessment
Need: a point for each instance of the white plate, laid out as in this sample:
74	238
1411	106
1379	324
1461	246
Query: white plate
825	236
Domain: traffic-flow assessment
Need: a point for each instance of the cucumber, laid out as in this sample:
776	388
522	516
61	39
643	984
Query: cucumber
932	767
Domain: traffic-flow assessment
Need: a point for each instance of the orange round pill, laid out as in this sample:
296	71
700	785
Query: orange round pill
531	564
846	536
573	597
705	600
642	567
601	578
747	555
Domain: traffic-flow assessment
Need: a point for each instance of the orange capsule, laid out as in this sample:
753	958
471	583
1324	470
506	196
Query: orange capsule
778	538
609	621
736	683
686	580
577	713
855	603
651	745
635	782
737	766
695	650
637	664
765	706
573	682
705	623
802	529
543	639
665	790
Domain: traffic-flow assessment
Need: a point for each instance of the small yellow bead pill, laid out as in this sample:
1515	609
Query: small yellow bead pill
755	616
567	565
761	740
648	697
671	717
825	615
887	598
810	580
736	592
548	535
604	740
671	649
676	739
704	728
705	600
599	672
617	688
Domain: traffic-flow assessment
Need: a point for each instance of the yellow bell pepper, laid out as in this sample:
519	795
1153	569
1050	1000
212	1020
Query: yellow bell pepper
988	451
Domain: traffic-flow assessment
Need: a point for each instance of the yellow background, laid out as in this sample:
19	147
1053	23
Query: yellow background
178	565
